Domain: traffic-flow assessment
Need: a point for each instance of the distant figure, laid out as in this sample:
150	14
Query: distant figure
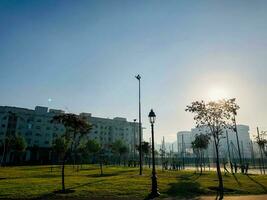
235	166
246	168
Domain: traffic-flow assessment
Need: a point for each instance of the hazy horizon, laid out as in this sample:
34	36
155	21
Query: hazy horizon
82	56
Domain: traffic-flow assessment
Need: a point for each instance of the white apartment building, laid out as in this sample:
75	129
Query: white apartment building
36	127
185	138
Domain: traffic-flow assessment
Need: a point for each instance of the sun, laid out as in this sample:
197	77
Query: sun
217	93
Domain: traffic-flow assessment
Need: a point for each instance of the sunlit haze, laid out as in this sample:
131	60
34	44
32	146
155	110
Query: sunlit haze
82	56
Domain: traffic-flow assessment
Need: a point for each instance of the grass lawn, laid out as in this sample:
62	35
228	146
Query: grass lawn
38	182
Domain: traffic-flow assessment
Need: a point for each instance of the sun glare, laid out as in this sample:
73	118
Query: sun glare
217	93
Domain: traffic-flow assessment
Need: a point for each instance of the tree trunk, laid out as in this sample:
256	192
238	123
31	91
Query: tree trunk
101	167
219	174
63	175
201	162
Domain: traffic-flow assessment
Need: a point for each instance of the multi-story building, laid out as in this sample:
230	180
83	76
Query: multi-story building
185	138
36	127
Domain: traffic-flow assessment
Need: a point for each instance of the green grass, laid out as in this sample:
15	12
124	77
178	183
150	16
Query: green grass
39	182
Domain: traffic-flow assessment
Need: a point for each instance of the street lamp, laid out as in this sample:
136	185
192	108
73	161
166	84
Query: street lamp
134	146
154	191
138	77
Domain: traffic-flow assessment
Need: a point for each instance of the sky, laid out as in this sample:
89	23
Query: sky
82	56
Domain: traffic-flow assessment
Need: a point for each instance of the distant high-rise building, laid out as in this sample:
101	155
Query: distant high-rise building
185	138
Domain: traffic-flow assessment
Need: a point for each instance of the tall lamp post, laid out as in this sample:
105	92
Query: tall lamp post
154	191
138	77
134	146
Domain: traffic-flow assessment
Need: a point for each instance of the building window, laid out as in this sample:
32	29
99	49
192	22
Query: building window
29	133
38	127
3	125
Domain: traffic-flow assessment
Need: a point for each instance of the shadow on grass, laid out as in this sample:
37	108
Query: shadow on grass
57	194
261	185
185	189
186	177
103	175
84	184
238	182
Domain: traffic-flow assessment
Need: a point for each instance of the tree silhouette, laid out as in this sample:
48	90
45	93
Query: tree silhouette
76	128
215	116
200	143
261	142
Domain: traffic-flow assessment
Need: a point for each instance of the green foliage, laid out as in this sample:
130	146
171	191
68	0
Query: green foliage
18	143
75	129
60	145
146	148
92	146
201	142
119	147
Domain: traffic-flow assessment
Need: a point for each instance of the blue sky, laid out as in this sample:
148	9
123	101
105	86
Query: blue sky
84	55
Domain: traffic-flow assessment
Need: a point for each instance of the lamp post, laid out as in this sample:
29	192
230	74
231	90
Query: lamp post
138	77
154	191
134	146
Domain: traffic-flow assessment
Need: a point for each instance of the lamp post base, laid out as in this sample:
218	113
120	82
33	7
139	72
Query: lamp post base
154	192
153	195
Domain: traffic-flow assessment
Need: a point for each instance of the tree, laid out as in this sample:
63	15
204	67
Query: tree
94	148
232	107
76	128
146	150
215	116
261	142
6	148
200	143
8	137
119	148
18	145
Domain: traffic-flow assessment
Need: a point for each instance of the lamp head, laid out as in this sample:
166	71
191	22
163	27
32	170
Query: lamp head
152	116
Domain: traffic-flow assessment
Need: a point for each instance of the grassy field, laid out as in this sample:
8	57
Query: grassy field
38	182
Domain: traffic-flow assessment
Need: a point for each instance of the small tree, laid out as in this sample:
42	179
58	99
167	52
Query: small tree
76	128
146	150
94	148
18	145
216	116
119	148
200	143
261	142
